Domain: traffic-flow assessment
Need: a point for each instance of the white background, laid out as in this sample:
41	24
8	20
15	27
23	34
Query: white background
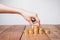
48	11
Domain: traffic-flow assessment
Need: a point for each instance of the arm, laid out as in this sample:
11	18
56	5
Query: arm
9	10
26	14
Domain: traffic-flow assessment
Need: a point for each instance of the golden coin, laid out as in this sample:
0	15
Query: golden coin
36	27
47	31
41	31
26	32
31	31
36	30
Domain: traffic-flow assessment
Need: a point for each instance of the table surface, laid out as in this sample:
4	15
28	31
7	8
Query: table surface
16	32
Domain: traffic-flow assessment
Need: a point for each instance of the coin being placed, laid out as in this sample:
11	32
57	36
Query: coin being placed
33	20
36	27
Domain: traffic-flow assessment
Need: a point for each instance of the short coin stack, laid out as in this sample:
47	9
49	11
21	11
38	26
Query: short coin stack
36	30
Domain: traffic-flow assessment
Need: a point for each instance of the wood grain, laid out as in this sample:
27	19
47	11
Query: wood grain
12	33
15	32
55	31
3	28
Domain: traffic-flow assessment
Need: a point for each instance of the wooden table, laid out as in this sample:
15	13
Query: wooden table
16	32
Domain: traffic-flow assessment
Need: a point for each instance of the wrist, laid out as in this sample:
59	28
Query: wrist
21	12
17	11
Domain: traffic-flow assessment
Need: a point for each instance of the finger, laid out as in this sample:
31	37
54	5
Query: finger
38	21
31	23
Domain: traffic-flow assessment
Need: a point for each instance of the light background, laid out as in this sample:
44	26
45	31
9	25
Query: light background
48	11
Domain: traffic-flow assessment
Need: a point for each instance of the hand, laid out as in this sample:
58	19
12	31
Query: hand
26	14
29	15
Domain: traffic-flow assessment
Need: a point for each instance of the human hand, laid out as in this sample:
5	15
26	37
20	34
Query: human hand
26	14
29	15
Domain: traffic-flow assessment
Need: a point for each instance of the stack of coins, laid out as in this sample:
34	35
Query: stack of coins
26	32
36	30
41	31
31	31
